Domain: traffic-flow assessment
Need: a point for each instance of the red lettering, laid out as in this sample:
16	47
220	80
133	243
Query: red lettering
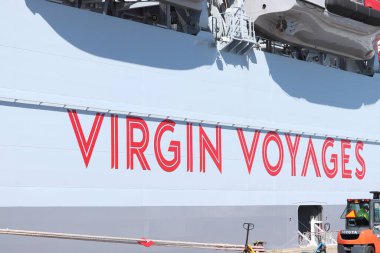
273	170
330	173
360	173
310	152
345	144
137	148
293	150
189	146
174	147
214	152
86	146
114	142
249	156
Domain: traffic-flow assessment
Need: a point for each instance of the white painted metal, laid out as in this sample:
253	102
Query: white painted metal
56	57
314	223
258	8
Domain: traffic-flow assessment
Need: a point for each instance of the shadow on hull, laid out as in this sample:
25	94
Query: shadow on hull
323	85
141	44
115	38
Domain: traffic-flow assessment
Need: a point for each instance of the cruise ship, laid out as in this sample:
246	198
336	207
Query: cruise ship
183	119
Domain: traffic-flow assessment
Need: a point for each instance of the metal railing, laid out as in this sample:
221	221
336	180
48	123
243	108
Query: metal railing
238	25
214	27
308	239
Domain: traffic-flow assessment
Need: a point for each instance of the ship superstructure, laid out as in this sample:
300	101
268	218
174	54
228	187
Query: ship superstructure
180	120
304	30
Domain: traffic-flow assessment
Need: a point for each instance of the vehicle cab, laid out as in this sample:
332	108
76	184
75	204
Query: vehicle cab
374	4
362	226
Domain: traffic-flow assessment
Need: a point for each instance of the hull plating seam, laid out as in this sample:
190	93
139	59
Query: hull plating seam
154	116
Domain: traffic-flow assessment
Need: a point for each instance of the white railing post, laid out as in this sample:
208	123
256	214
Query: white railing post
304	237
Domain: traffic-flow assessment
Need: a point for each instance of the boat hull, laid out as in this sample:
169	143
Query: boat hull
118	128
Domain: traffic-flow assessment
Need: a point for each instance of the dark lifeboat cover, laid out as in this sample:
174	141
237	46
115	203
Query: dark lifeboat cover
349	9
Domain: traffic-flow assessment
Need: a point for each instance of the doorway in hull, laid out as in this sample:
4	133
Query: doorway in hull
308	218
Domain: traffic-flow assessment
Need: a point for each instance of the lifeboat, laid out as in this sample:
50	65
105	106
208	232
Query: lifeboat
310	24
366	12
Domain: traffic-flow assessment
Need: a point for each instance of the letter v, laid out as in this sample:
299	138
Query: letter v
249	156
86	146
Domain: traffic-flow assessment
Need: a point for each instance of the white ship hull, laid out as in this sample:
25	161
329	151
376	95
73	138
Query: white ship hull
203	175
